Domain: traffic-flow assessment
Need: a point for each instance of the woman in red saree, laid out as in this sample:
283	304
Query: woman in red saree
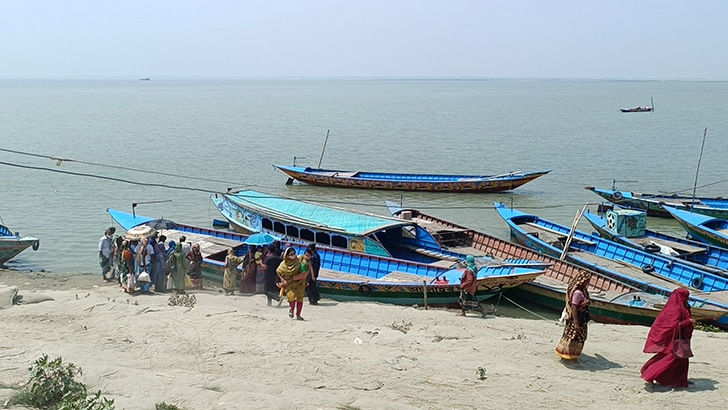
673	322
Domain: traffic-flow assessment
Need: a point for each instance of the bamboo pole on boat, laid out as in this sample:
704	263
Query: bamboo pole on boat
579	213
424	290
324	149
695	185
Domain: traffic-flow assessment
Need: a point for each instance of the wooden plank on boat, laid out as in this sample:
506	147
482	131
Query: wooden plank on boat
403	277
335	275
558	234
208	245
627	270
683	248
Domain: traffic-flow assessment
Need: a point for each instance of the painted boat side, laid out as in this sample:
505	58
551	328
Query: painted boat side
702	227
652	203
410	182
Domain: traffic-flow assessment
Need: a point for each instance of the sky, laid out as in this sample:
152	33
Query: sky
665	39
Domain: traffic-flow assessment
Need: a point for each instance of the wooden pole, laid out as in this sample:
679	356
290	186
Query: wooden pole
324	149
573	230
424	290
695	185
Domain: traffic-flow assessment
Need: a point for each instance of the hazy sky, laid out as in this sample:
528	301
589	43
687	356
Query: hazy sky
660	39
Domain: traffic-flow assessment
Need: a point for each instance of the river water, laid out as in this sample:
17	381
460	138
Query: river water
209	135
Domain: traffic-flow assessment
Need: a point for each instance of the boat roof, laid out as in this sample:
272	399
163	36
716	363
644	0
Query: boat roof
127	220
305	213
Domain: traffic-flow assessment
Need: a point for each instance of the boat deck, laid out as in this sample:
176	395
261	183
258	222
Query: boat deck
550	236
680	247
208	245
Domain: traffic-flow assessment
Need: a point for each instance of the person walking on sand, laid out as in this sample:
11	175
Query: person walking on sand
159	265
194	269
293	272
468	287
577	317
315	262
231	272
105	252
176	269
259	270
669	338
271	277
247	279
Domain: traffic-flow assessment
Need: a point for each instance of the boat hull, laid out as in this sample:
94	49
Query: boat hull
410	182
652	203
10	247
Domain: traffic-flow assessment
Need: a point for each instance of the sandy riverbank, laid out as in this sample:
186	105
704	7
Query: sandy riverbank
237	353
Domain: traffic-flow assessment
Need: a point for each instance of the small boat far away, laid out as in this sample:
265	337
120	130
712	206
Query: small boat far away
144	79
640	109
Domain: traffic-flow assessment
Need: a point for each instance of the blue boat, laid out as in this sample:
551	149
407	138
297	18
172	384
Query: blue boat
702	227
347	275
649	272
706	256
715	207
411	182
11	244
295	220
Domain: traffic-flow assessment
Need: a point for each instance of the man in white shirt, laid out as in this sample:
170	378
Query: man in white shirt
105	252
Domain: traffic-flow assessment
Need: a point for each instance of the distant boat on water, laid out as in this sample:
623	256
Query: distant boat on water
144	79
640	109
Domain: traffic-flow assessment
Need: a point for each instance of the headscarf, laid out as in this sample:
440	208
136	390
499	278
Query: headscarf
470	264
289	268
577	282
664	328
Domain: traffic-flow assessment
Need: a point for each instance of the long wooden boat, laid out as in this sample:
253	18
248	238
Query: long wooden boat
706	256
295	220
702	227
715	207
640	109
646	271
11	244
613	301
411	182
349	276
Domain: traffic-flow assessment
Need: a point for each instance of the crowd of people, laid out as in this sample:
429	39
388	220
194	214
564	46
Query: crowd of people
150	264
267	270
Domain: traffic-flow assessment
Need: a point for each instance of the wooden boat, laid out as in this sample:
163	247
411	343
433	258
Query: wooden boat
706	256
715	207
701	227
295	220
640	109
11	244
649	272
411	182
349	275
613	301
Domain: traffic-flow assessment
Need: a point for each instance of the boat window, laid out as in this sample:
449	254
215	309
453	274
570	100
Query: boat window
323	238
292	231
279	227
307	235
267	224
409	232
339	242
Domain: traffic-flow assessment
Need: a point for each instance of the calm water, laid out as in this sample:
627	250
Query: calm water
233	131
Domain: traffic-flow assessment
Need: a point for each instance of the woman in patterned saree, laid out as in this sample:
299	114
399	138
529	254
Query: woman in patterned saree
577	311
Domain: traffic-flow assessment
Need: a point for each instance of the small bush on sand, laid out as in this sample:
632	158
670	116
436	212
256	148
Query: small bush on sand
52	385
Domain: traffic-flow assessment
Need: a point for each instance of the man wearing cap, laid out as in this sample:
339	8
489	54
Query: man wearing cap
105	252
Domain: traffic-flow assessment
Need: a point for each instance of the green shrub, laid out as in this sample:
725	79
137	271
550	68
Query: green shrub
165	406
52	385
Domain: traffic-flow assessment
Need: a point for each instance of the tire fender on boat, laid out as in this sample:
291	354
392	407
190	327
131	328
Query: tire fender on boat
652	248
697	283
365	289
36	244
648	269
616	195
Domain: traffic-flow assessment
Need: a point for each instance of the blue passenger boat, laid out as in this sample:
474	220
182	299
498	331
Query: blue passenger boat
411	182
649	272
715	207
349	275
709	257
702	227
11	244
295	220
